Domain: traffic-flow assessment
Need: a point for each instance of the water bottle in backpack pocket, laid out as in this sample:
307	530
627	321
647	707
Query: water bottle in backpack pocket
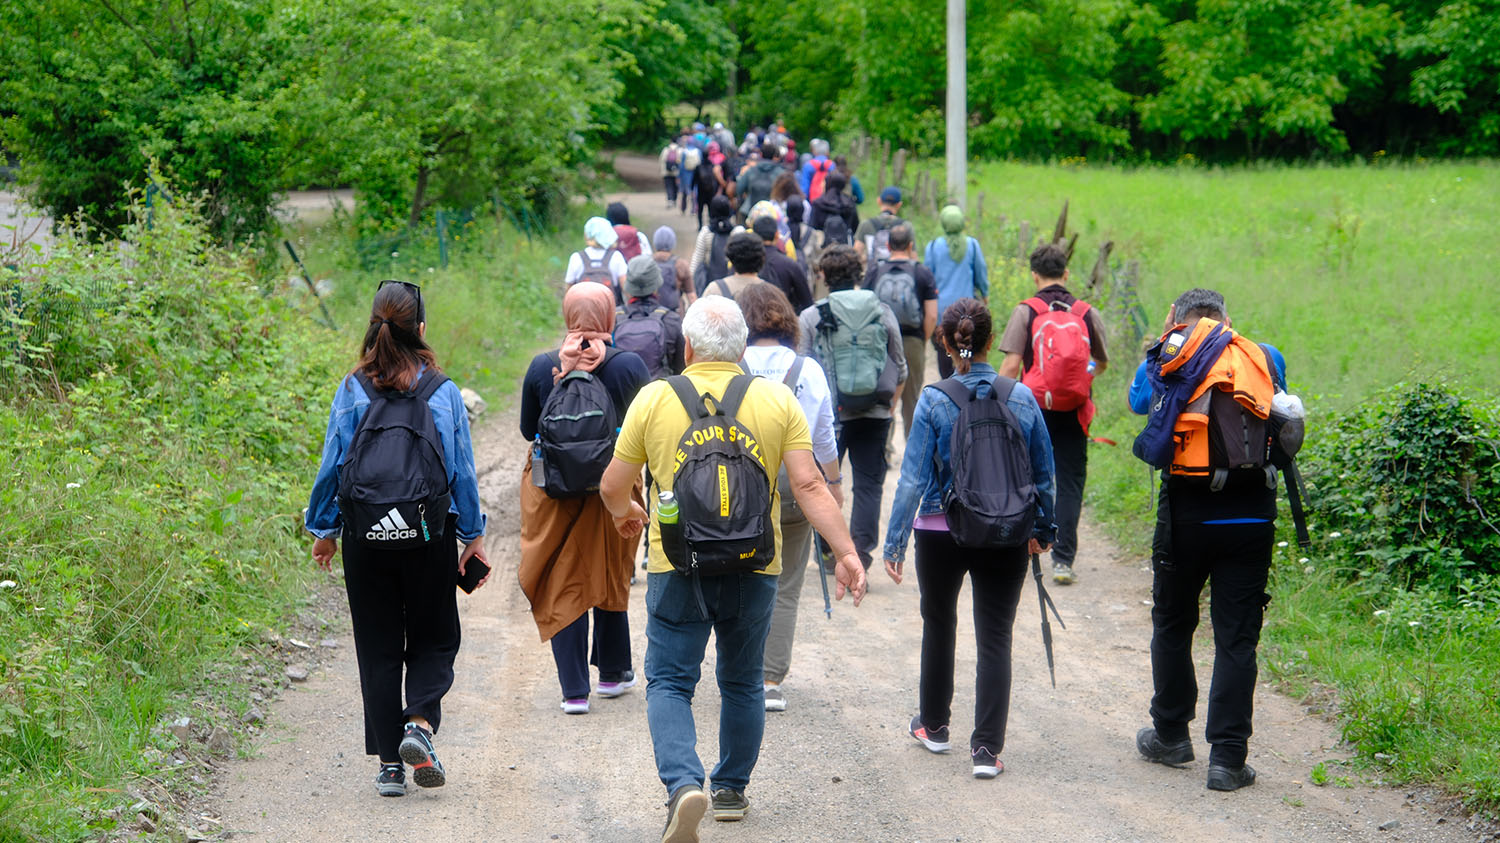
993	500
576	433
393	483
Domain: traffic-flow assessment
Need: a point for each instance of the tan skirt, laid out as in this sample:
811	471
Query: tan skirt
572	558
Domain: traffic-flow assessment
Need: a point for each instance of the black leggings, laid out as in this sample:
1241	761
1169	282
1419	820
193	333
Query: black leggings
998	576
404	610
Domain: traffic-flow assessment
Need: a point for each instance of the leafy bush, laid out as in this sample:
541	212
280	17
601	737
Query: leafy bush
156	447
1411	479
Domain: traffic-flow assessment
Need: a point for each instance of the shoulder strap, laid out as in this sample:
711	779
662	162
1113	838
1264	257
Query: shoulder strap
1002	382
1080	308
1276	379
431	381
734	394
365	383
794	374
955	390
723	288
1037	305
688	395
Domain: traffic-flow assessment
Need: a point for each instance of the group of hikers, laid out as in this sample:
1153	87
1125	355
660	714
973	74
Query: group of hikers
707	404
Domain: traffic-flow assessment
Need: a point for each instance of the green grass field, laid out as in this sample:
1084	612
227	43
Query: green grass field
1364	276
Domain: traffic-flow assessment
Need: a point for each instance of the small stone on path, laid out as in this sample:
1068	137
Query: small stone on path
296	673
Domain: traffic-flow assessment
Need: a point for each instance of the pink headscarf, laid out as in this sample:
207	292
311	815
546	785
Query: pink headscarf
589	311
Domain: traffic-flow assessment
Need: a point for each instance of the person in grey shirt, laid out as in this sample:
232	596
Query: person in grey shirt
862	422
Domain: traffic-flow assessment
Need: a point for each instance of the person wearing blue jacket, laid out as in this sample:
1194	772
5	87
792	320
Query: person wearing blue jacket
958	264
996	575
402	603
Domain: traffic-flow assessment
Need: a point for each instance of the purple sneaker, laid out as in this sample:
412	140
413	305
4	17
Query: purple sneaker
616	684
576	706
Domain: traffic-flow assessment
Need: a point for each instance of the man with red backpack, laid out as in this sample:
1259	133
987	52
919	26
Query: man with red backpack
817	168
1054	343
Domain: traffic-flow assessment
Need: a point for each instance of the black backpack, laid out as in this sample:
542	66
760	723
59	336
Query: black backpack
393	483
576	433
723	490
715	267
993	501
642	328
669	295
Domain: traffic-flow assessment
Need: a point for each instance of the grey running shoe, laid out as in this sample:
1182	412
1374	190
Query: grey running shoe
936	740
1230	778
391	781
1158	751
684	811
986	765
1062	573
730	806
416	750
775	700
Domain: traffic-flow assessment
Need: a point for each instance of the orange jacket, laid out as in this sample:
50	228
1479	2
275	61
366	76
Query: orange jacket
1241	370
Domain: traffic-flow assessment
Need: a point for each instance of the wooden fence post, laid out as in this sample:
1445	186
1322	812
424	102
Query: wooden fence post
898	167
1023	241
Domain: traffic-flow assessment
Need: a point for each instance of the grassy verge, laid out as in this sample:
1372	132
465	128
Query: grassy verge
164	421
1364	276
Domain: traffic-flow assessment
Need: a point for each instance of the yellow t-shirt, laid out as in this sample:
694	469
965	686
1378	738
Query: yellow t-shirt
656	420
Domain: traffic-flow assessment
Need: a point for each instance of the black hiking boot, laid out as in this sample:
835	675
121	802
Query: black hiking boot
1158	751
1230	778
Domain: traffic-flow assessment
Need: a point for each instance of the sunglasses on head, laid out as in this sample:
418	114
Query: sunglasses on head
414	289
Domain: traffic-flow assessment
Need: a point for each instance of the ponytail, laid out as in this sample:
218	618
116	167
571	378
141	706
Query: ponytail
394	352
967	328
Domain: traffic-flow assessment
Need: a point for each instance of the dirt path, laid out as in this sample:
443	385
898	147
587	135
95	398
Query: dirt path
837	766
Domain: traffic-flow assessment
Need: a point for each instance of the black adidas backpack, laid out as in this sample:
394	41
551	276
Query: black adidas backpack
723	490
577	431
993	500
393	483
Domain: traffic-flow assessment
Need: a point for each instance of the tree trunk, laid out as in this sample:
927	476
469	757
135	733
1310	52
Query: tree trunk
419	199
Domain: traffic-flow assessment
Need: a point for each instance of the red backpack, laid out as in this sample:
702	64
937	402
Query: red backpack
820	172
629	243
1059	375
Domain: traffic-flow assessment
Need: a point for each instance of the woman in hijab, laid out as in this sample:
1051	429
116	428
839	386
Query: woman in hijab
708	262
958	264
572	558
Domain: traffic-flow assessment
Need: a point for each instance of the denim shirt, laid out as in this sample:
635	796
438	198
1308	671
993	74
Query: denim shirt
925	472
452	423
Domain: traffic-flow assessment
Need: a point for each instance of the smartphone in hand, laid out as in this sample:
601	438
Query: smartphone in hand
474	571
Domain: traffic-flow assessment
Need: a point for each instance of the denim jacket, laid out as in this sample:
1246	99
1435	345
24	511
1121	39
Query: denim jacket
925	472
452	423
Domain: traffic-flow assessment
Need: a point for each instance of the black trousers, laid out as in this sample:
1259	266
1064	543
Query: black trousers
403	605
1070	455
670	182
864	441
610	653
1234	560
997	577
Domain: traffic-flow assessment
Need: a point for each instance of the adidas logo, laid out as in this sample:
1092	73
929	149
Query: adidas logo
391	528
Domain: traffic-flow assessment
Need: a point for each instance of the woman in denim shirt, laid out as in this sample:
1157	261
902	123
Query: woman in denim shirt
402	603
997	575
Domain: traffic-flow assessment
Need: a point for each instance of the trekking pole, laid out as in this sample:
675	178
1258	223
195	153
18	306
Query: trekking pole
1045	600
822	574
327	319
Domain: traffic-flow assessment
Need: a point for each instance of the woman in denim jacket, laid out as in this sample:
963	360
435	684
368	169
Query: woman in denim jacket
997	575
402	603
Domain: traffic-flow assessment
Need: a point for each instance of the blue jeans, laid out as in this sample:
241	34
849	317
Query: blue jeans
739	614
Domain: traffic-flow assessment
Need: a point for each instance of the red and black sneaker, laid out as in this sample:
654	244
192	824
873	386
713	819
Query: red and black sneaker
416	750
936	740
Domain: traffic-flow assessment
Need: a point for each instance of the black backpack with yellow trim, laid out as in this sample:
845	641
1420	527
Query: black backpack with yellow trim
723	489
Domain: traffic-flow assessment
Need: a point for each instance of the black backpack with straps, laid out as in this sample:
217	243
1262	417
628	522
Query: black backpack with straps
993	500
393	483
722	487
576	433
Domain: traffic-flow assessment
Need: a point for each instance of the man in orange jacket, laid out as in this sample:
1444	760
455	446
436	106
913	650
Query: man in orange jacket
1216	527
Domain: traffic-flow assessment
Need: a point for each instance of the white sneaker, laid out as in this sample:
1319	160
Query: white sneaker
614	689
575	706
775	700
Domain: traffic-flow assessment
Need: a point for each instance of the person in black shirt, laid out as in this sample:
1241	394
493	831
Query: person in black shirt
914	338
779	270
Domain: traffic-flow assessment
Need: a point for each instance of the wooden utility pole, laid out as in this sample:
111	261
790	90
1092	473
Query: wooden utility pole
958	104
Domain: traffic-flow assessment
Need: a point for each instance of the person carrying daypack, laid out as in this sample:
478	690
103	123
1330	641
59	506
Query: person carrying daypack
713	438
910	291
754	184
707	179
397	480
1055	344
872	240
676	291
856	339
976	493
814	174
630	242
572	402
709	261
691	157
598	261
834	202
644	325
1212	397
670	162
